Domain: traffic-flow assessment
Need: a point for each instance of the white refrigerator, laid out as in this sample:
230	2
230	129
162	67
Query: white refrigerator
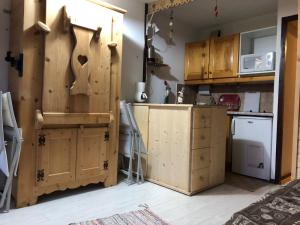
252	146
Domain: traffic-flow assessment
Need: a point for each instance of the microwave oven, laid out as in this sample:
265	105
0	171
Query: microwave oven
257	62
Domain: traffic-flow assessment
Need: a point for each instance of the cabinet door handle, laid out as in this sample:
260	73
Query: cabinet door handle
233	127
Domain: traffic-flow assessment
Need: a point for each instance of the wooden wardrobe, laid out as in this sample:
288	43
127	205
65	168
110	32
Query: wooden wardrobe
65	83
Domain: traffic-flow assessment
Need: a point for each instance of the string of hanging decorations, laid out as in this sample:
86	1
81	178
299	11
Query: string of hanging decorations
216	10
160	5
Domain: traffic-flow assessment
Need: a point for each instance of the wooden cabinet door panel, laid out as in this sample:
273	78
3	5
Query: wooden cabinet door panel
201	138
199	179
169	147
201	118
218	146
224	56
59	76
56	156
200	158
91	153
196	60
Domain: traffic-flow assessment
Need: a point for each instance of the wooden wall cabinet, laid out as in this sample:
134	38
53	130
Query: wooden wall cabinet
224	56
196	60
212	59
67	99
186	145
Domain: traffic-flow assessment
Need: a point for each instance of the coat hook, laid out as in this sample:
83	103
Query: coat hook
40	26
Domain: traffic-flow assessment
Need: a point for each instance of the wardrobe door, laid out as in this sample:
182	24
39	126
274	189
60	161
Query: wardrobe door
56	156
92	153
77	63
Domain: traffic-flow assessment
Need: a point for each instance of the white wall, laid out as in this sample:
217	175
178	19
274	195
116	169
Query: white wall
256	22
172	55
133	45
4	42
285	8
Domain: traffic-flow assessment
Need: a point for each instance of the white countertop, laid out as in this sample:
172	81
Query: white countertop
234	113
176	105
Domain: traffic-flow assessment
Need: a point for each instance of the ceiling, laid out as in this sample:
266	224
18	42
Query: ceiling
200	13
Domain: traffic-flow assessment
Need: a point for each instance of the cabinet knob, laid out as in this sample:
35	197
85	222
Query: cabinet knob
202	137
202	158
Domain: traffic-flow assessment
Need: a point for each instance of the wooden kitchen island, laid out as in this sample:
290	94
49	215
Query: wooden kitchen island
186	145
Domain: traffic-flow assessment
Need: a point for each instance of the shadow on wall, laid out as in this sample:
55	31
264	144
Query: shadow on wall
132	68
4	41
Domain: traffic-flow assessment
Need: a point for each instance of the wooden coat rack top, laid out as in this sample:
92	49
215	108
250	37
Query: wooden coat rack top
160	5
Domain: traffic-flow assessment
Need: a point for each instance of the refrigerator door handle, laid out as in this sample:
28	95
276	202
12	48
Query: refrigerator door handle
233	127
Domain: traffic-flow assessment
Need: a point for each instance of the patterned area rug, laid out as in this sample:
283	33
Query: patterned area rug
139	217
281	207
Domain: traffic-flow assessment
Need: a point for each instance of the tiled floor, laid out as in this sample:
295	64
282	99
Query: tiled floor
212	207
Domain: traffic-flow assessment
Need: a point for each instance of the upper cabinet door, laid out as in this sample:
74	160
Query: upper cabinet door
196	60
224	56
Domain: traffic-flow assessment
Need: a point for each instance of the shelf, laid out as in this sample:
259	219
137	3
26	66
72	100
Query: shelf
157	64
262	73
44	119
233	80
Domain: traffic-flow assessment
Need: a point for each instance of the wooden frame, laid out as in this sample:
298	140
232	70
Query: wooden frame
280	131
268	78
28	91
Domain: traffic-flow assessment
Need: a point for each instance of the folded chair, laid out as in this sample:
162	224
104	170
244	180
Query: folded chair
13	136
136	147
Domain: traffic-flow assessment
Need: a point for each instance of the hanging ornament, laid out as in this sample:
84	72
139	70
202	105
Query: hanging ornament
216	10
171	26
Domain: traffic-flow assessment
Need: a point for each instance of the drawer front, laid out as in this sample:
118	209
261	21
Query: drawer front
200	179
201	118
200	158
201	138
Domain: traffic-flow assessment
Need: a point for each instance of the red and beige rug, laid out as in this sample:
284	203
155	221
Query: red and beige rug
139	217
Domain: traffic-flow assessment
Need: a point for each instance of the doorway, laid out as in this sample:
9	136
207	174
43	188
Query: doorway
288	113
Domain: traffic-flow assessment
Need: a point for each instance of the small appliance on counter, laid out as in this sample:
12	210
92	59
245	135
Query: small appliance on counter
140	95
204	96
232	101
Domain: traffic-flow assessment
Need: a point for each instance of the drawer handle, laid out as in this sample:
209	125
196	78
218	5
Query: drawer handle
203	117
202	137
202	158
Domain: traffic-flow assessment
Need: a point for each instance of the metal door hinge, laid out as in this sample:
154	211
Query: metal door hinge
105	165
106	136
42	140
40	175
